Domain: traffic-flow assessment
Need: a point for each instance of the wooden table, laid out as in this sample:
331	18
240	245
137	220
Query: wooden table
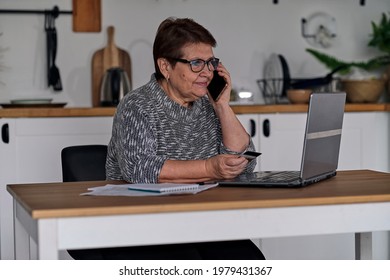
53	216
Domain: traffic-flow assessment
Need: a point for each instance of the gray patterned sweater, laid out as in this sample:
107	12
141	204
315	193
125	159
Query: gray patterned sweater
149	128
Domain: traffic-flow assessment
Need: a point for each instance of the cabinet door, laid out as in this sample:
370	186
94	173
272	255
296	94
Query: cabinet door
279	137
7	175
33	154
250	123
281	140
40	141
364	141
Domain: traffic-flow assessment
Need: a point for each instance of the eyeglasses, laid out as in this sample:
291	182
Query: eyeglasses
198	64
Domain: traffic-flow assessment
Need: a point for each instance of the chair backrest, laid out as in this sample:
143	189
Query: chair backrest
84	163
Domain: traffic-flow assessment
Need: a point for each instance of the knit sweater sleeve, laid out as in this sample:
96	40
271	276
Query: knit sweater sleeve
136	148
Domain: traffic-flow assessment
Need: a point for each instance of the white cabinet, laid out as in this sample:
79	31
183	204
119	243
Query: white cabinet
364	145
250	123
33	154
279	137
364	141
281	141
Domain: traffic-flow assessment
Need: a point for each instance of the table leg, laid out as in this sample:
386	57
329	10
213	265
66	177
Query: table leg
363	246
27	229
22	239
47	240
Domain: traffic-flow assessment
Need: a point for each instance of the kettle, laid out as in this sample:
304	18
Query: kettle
115	85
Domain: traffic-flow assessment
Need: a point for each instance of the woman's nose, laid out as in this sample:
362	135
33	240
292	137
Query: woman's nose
206	72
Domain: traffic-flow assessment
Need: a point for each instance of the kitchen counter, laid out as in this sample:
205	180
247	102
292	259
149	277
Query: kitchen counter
302	108
56	112
238	109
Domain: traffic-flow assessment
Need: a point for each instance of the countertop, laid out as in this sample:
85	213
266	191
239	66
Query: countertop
238	109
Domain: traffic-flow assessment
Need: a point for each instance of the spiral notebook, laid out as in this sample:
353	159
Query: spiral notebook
147	189
171	188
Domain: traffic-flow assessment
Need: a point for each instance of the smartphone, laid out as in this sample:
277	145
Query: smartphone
216	86
250	155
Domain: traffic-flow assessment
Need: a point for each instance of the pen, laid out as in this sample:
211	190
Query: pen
206	183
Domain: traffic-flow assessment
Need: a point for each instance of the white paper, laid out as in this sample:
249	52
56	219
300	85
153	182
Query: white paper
123	190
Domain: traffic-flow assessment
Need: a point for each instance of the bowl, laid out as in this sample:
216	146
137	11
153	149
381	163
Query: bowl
363	91
299	96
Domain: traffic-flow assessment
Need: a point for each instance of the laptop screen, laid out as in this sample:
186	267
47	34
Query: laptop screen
323	134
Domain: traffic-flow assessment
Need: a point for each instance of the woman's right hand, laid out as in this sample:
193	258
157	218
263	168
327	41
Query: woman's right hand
225	166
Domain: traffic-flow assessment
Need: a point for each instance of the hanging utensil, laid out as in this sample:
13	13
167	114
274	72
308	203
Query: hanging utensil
48	44
54	78
54	71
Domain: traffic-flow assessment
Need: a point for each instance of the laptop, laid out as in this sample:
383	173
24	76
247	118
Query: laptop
320	148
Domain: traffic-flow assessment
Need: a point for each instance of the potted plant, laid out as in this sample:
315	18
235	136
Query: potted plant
380	39
358	79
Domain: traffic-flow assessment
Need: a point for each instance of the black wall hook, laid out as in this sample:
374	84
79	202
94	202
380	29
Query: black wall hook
55	12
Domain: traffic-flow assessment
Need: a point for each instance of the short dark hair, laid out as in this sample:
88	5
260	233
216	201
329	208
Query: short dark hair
175	33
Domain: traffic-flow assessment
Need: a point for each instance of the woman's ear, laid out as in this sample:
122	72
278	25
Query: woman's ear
164	67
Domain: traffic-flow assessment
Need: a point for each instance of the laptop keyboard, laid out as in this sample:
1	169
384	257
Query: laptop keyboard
282	176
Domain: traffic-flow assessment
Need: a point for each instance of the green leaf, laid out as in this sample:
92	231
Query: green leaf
329	61
332	62
380	36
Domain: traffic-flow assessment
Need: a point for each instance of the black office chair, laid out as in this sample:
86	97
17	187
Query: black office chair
84	163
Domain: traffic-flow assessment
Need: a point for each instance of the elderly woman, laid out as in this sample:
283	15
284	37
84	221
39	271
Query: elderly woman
171	130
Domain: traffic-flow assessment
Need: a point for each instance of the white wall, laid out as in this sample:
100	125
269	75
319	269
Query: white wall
247	31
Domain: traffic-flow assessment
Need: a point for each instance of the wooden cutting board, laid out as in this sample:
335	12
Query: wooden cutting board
87	15
103	59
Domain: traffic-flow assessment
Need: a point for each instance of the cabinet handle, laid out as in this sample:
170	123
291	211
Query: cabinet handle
266	128
252	124
5	133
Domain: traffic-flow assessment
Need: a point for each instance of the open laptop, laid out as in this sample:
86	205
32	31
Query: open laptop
320	148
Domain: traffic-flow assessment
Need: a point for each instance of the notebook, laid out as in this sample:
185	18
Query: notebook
171	188
147	189
320	148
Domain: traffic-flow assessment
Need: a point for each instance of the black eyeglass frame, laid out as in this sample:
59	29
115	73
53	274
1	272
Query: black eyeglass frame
214	61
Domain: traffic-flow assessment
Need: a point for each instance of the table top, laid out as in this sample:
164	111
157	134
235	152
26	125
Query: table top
53	200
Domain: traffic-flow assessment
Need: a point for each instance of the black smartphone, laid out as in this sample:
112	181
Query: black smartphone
250	155
216	86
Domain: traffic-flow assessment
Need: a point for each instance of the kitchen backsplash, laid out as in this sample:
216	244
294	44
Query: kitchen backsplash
247	32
